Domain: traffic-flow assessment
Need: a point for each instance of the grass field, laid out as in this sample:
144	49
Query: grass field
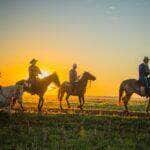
30	131
103	103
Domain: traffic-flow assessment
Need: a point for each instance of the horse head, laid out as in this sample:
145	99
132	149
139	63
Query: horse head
89	76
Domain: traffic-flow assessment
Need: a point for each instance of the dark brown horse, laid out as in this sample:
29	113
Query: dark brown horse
41	87
79	91
129	87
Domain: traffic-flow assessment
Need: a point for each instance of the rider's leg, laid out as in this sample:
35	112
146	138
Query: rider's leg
73	84
143	89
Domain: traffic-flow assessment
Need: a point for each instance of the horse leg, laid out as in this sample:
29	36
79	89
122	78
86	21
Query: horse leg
67	100
83	101
126	99
80	106
60	99
147	108
40	105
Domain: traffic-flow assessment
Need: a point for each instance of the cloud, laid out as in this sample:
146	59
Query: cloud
112	7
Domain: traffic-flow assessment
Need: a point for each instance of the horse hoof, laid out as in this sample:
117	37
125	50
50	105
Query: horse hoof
126	112
61	108
23	110
39	111
80	107
119	104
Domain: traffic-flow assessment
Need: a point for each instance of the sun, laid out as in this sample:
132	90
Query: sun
44	74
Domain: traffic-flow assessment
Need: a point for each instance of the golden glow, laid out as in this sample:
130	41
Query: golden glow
44	74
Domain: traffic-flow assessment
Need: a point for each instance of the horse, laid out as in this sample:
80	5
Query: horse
79	91
129	87
41	87
10	95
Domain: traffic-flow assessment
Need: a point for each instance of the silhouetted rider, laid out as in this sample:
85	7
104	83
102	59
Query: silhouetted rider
144	72
73	77
34	71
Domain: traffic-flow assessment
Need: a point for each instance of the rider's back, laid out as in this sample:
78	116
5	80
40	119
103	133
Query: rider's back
143	70
72	75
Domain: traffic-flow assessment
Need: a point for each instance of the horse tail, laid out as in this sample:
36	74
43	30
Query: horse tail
121	91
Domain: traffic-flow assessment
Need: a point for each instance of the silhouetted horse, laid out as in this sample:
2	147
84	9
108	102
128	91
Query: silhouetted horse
10	95
41	87
130	87
79	91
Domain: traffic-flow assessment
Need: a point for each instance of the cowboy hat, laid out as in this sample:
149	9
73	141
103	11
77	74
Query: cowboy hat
146	58
33	61
74	65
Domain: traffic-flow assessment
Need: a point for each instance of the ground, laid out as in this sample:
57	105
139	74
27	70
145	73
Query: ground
75	131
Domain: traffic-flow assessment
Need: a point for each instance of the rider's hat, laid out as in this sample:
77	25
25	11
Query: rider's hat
33	61
146	58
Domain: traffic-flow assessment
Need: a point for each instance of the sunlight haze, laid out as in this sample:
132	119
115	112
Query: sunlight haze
107	38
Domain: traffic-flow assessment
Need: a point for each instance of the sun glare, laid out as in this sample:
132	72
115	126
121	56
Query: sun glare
44	74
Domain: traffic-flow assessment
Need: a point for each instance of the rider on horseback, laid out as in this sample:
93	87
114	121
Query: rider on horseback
73	77
144	72
34	71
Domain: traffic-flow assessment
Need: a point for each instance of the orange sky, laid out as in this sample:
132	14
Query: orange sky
107	38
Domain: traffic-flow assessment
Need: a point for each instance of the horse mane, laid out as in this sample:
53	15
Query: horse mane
83	74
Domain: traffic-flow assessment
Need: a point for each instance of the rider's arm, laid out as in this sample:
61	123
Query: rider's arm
39	71
147	70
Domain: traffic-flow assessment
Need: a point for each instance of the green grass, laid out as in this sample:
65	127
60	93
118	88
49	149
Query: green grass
33	132
103	103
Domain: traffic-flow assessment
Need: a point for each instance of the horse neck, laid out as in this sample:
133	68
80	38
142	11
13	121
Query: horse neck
83	82
48	79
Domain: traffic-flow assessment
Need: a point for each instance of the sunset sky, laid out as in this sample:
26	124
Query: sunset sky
108	38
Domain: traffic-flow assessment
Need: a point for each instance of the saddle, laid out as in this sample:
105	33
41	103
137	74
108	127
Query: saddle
74	87
32	84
